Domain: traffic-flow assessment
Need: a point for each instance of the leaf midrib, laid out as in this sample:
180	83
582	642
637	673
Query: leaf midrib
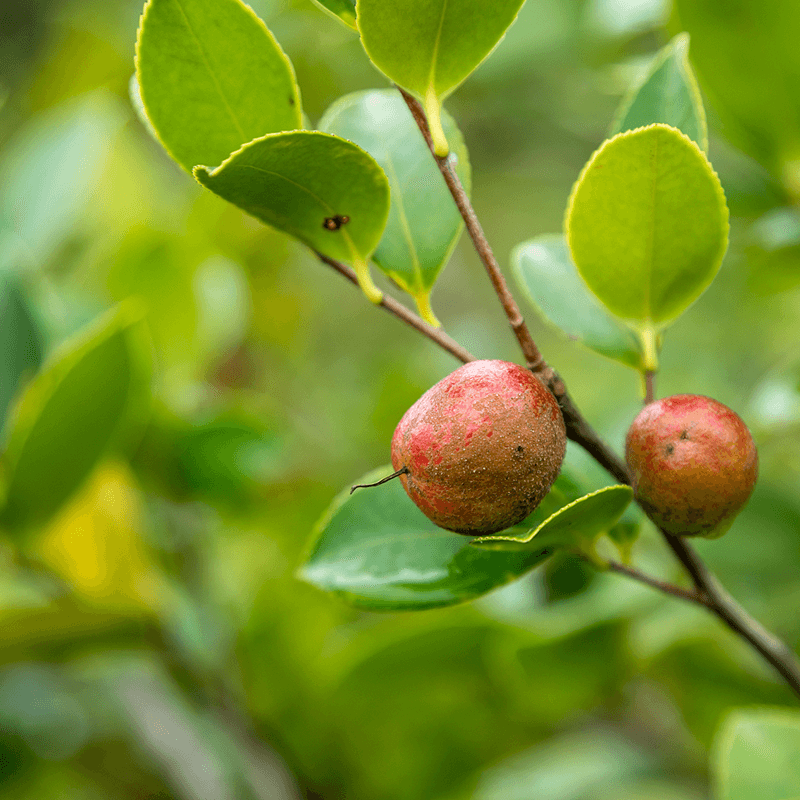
212	75
436	42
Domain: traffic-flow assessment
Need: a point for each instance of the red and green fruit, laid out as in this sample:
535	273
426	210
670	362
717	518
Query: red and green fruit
694	464
481	448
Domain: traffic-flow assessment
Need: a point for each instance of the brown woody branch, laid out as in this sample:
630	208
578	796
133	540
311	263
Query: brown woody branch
708	591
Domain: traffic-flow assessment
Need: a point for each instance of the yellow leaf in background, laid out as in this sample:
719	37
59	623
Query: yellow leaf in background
95	542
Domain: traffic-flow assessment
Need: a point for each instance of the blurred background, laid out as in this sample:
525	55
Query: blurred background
154	641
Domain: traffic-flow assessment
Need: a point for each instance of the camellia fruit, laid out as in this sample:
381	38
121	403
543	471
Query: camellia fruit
480	449
694	464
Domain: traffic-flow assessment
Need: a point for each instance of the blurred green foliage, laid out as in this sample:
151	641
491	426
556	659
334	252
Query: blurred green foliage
154	640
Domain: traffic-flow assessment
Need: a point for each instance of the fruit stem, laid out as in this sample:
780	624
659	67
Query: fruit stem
401	471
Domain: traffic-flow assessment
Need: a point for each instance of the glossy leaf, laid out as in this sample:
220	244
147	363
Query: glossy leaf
345	10
69	415
758	755
647	226
430	46
668	93
573	527
424	223
211	78
377	550
545	272
323	190
20	343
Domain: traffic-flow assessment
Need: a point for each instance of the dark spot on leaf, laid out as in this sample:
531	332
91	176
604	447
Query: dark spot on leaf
669	449
684	435
291	101
336	222
520	448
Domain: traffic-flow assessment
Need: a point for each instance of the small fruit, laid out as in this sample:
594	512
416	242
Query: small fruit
481	448
694	464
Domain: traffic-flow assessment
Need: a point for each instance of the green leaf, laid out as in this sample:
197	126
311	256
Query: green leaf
377	550
20	343
545	272
574	527
211	78
757	755
668	93
424	223
69	415
647	227
323	190
430	46
345	10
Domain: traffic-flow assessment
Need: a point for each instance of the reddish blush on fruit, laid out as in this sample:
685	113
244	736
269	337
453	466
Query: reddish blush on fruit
694	464
481	448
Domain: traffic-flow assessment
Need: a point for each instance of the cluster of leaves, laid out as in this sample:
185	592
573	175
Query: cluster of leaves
648	193
647	227
435	697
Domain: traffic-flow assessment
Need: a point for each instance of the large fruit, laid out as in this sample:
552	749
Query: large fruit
481	448
694	464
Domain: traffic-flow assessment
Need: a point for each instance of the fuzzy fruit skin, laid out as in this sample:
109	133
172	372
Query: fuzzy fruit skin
482	446
694	464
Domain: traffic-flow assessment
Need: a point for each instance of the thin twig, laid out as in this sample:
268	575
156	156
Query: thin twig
530	351
578	429
399	310
649	386
690	595
775	651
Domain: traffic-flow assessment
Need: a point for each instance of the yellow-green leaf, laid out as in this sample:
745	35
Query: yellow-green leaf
212	77
430	46
323	190
647	225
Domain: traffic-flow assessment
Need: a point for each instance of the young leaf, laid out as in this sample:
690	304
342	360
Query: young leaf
647	226
377	550
211	78
345	10
424	223
20	343
68	416
758	755
323	190
430	46
574	527
544	271
668	93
